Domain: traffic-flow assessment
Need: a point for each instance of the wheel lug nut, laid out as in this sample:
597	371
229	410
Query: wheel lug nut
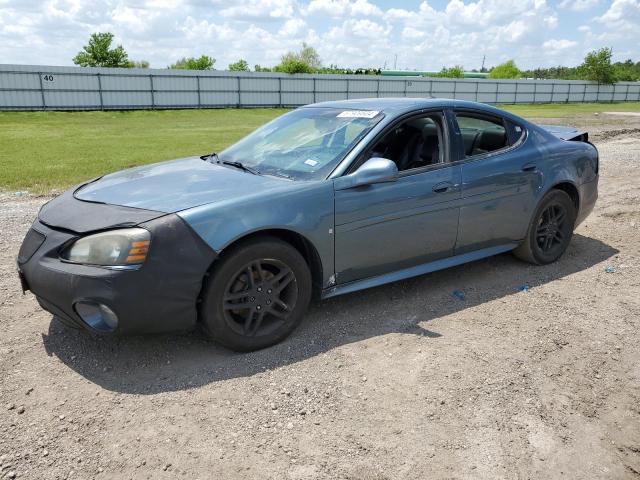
259	289
269	291
258	307
268	302
253	299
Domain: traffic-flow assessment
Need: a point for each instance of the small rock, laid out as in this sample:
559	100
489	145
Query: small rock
289	426
45	453
29	390
11	474
166	467
364	379
20	409
10	406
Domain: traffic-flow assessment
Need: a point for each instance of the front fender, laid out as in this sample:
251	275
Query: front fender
308	211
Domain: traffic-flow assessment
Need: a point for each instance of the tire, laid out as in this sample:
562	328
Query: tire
550	230
256	295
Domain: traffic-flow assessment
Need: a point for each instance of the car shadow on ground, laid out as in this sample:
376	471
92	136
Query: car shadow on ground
153	364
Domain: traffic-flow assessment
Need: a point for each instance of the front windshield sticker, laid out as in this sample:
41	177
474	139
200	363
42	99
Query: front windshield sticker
358	114
310	162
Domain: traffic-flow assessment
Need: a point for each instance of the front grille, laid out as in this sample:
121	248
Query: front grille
30	244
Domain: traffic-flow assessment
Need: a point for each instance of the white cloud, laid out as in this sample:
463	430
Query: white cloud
341	8
259	9
578	5
350	33
561	44
551	21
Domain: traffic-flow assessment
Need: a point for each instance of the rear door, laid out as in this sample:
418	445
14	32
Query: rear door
414	220
499	178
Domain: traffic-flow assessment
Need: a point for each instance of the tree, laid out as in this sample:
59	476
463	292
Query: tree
306	60
456	71
201	63
507	69
310	56
597	66
239	66
138	64
627	71
258	68
98	53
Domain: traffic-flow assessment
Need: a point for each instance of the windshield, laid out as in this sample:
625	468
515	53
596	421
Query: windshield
305	144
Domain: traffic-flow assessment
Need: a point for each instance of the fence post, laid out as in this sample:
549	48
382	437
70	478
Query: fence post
497	88
598	94
100	91
626	94
44	104
553	89
515	96
378	88
280	92
153	95
314	90
455	88
198	84
584	92
535	90
477	88
239	93
405	88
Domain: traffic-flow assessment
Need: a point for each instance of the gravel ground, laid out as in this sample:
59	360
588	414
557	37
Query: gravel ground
404	381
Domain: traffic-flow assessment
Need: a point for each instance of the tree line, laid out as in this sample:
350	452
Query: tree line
596	67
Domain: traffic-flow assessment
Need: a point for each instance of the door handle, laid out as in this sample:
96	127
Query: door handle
529	167
442	187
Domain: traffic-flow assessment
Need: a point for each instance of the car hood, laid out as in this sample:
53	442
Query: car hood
176	185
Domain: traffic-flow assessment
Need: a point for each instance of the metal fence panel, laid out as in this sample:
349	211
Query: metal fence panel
24	87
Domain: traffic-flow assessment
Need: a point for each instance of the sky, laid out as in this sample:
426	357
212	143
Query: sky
413	34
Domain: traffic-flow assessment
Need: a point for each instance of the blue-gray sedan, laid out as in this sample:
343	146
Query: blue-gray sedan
327	199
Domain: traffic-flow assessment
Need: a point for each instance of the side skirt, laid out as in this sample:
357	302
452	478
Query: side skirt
415	271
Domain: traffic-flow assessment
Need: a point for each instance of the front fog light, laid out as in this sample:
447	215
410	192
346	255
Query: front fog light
97	316
115	248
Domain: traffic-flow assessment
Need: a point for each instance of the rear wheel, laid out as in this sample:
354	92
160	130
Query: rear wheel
256	295
550	230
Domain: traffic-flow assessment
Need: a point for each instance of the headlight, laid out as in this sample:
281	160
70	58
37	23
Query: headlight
116	248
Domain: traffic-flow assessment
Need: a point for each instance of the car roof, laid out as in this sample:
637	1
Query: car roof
396	106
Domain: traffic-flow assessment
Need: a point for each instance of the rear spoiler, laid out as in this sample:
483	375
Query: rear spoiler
567	133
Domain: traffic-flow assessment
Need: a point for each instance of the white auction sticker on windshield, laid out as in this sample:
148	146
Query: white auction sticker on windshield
358	114
311	162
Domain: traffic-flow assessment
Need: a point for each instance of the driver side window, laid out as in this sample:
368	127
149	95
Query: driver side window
414	143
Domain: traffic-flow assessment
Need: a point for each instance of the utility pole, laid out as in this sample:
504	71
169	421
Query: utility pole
483	59
395	62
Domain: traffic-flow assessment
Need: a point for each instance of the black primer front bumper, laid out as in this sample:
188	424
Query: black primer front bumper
159	296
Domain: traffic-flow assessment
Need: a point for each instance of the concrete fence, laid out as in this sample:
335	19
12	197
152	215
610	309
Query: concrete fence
27	87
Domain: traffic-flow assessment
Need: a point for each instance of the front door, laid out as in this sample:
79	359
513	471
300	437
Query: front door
390	226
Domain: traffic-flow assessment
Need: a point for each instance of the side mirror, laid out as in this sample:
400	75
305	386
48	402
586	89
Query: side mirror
374	170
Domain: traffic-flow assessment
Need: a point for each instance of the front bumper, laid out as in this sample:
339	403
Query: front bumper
160	296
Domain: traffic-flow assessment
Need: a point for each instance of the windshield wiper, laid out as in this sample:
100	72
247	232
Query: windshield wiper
240	165
213	156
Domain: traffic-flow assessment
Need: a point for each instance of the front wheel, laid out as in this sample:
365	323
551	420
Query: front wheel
550	230
256	295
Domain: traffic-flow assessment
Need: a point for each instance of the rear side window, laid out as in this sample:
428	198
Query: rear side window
482	134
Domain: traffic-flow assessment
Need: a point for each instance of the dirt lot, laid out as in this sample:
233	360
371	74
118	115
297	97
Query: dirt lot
399	382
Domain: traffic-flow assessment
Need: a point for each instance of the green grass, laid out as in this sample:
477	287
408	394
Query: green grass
568	110
45	151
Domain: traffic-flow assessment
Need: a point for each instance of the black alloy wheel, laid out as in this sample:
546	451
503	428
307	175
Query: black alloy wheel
260	297
256	294
550	230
